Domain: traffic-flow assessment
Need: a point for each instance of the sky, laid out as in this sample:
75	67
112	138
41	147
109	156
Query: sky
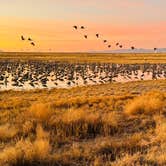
139	23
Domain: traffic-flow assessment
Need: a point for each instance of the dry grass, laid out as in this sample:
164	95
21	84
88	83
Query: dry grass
26	151
149	103
40	111
114	124
87	57
7	132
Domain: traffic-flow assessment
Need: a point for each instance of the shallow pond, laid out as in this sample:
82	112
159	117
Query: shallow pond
19	75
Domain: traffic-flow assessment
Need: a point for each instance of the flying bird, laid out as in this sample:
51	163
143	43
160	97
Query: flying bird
109	46
32	43
121	46
117	44
132	47
97	35
155	49
22	38
85	36
82	27
105	41
29	39
75	27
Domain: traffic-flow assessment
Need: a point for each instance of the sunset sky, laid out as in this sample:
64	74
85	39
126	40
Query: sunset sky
141	23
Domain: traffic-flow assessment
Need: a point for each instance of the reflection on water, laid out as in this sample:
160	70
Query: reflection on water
38	74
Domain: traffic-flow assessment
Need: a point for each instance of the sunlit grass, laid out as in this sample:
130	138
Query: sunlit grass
88	57
112	124
149	103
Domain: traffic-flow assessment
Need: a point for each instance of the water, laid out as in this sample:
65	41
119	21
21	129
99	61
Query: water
17	75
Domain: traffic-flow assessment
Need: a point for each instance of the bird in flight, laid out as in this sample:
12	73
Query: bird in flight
32	43
29	39
132	47
117	44
82	27
75	27
105	41
109	46
85	36
121	46
22	38
97	35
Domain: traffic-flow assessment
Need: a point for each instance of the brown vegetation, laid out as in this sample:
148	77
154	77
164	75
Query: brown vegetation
114	124
148	103
127	58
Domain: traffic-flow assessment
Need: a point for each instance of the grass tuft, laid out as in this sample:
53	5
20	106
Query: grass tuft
149	103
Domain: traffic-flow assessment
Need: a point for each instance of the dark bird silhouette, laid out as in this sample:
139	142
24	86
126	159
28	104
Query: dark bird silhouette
117	44
75	27
32	43
82	27
132	47
97	35
155	49
121	46
85	36
29	39
22	38
105	41
109	46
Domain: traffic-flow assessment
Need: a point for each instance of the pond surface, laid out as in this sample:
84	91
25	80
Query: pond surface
28	75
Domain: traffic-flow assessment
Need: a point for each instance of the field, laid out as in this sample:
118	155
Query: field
88	57
113	124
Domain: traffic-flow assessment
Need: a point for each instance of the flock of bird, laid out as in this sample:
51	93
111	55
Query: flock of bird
97	35
41	74
28	39
104	40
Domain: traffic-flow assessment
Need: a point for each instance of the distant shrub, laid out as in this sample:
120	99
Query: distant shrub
128	160
157	155
7	132
27	151
149	103
40	111
160	129
27	127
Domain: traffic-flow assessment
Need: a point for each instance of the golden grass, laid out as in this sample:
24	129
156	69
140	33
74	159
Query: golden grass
41	144
87	57
157	155
7	132
27	151
148	103
113	124
127	160
40	111
160	129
